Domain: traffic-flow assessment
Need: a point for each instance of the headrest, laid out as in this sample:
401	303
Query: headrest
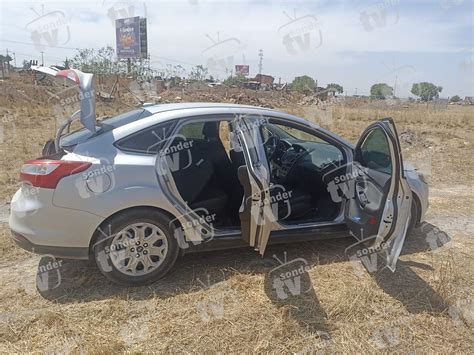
210	130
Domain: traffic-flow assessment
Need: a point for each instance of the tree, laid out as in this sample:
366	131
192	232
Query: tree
426	91
104	61
8	59
381	90
302	83
455	98
235	80
198	73
97	61
335	88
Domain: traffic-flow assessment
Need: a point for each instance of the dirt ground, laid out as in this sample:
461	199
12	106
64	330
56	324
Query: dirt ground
224	301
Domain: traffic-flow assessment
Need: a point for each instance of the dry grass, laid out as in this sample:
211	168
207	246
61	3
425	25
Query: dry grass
425	307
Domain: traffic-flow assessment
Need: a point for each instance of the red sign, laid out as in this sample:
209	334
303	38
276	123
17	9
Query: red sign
242	69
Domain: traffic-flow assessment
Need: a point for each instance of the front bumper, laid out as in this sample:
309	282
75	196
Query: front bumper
420	189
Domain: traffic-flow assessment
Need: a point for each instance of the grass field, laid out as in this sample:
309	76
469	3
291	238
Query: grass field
224	301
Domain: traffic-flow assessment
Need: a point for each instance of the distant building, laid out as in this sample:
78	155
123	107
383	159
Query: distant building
266	80
254	85
469	100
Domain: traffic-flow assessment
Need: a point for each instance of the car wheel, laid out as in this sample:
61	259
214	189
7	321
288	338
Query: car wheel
414	217
136	247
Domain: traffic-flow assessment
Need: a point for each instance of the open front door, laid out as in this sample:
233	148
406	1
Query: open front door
379	211
256	215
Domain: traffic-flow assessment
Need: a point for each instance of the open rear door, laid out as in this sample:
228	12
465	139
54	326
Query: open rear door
379	211
256	215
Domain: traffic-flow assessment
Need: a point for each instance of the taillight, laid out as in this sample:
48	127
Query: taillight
47	173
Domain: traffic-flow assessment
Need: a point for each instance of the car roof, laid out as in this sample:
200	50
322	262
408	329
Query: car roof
165	112
157	108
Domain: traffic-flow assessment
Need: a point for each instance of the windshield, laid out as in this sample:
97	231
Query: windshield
83	134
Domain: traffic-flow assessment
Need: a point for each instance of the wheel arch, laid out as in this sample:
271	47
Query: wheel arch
145	208
417	202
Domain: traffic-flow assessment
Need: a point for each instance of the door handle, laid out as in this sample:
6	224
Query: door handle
362	198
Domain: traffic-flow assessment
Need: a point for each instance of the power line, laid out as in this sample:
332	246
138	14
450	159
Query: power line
34	44
79	48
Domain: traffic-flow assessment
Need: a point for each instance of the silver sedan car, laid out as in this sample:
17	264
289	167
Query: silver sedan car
135	191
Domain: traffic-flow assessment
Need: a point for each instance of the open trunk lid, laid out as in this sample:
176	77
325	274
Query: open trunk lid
85	84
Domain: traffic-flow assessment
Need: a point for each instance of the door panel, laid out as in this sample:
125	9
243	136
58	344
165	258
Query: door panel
370	190
380	208
255	214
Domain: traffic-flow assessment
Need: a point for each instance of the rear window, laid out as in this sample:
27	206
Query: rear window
81	135
147	141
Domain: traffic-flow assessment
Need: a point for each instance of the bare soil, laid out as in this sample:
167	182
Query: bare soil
224	301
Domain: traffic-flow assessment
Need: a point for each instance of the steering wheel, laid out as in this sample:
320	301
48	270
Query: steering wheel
292	161
271	145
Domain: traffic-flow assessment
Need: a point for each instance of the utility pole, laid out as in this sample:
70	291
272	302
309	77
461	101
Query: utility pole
8	63
260	64
395	86
42	59
14	58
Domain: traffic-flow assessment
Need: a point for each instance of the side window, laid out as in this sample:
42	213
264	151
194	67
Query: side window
147	141
193	131
321	152
375	152
301	135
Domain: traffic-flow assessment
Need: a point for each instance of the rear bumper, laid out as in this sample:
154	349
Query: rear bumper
58	252
39	226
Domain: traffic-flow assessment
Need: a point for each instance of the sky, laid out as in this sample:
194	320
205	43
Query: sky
352	43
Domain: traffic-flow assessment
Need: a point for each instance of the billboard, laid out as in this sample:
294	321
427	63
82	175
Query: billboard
143	38
131	37
242	69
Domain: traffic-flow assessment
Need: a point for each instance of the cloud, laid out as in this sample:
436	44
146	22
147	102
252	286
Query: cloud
336	35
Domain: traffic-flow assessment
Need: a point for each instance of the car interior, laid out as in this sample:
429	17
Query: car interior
207	173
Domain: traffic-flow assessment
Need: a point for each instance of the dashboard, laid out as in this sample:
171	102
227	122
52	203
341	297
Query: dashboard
288	156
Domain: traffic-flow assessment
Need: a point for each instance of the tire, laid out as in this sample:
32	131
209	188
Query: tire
414	217
136	247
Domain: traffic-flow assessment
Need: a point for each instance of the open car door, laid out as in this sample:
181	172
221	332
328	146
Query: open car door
256	215
378	214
